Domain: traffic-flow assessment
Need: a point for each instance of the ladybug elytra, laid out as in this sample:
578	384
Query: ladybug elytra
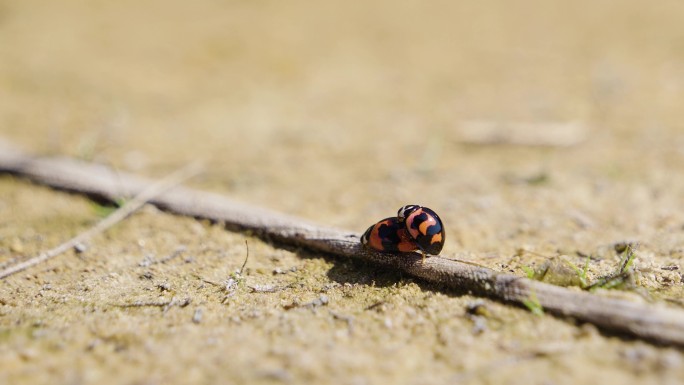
424	226
389	235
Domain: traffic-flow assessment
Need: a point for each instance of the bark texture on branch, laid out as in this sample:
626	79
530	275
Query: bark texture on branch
655	323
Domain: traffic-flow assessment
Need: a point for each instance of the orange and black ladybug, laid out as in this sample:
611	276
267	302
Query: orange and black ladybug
424	226
389	235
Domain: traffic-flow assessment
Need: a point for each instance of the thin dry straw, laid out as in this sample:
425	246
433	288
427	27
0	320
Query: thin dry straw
115	217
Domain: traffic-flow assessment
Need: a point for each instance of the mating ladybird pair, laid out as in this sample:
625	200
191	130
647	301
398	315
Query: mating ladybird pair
415	228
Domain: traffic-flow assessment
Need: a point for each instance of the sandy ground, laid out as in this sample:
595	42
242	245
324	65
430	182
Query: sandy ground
340	112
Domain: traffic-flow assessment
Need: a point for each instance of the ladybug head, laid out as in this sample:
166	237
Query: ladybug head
406	211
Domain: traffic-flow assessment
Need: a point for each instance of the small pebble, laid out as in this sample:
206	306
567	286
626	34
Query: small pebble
197	316
322	300
479	324
28	354
147	275
80	248
478	308
17	247
279	270
164	286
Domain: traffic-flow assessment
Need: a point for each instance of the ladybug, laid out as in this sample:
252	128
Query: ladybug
389	235
424	226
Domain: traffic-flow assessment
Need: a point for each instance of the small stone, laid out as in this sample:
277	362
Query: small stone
479	324
197	316
164	286
28	354
17	246
146	275
478	308
80	248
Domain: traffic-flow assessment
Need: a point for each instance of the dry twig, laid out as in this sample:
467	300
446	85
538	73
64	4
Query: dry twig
165	305
651	322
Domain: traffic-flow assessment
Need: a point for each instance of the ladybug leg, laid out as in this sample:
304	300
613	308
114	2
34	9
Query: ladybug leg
423	253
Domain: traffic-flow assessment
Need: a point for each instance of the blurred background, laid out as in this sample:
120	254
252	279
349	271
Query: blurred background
332	109
550	126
